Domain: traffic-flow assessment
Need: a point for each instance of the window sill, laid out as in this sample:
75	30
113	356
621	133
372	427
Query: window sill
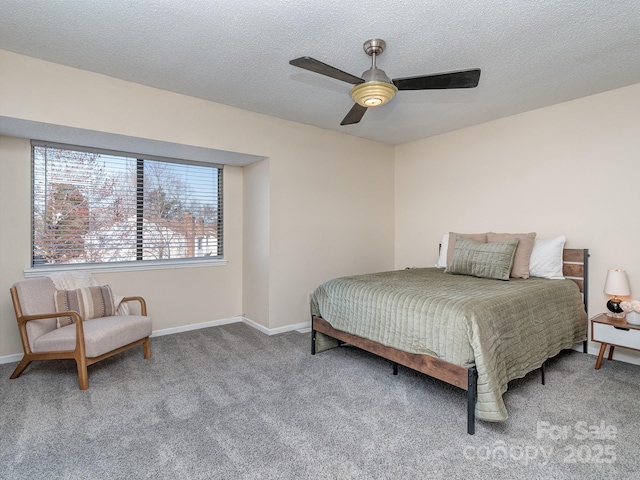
124	267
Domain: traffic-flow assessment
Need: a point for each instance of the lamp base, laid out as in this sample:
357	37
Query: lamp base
615	310
614	305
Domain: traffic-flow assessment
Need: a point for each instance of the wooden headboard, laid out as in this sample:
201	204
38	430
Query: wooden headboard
575	266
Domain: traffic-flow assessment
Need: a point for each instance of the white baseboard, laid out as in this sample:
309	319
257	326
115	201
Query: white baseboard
226	321
276	331
197	326
16	357
620	354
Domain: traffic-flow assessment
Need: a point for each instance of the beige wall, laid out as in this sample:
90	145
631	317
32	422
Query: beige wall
570	169
330	201
15	231
255	285
331	215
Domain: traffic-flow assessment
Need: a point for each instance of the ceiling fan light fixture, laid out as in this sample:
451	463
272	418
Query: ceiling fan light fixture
374	88
373	94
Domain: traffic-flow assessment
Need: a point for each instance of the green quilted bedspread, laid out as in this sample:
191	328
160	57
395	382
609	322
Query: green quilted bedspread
505	328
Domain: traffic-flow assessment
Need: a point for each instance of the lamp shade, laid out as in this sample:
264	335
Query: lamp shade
617	283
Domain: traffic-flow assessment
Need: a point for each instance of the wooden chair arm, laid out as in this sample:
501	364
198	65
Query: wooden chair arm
23	319
40	316
143	304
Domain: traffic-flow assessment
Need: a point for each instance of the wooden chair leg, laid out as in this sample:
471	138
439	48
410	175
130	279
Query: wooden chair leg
146	345
83	374
24	363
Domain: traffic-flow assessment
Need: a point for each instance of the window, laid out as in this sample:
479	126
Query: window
95	206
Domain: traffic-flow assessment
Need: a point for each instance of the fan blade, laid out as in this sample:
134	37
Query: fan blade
317	66
355	114
462	79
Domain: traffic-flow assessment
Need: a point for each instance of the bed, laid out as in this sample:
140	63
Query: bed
475	333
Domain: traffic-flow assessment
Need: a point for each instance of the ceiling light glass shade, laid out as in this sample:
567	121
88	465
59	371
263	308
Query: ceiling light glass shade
373	94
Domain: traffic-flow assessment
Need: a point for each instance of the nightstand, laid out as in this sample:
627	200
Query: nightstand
615	332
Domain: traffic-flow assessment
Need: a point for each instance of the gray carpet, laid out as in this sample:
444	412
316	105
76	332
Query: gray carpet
229	402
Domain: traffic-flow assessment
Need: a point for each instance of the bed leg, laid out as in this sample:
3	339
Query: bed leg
313	339
395	368
584	346
472	390
542	371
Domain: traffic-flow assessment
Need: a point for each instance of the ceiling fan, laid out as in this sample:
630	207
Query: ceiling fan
375	88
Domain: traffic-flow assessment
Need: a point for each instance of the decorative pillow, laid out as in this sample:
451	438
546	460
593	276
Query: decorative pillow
89	302
522	257
444	246
478	237
546	258
485	260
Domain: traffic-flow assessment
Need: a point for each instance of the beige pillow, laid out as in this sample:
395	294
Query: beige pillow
476	237
522	258
89	302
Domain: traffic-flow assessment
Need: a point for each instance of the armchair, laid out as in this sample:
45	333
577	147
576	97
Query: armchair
85	341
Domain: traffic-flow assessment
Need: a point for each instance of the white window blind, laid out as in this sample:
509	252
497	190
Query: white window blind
97	206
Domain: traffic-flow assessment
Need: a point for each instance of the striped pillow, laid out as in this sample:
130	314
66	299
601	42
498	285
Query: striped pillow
89	302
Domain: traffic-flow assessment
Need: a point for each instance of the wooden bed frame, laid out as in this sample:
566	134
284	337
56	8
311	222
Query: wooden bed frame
575	267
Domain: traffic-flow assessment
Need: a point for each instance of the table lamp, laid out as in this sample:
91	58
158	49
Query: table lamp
616	284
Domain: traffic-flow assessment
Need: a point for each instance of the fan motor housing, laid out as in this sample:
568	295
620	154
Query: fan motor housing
375	45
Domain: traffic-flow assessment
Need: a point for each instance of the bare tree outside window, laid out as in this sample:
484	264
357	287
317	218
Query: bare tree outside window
98	207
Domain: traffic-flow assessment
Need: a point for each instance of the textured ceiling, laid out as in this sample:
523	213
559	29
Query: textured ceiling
533	53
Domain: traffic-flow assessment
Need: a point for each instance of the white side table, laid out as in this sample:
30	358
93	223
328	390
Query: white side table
615	332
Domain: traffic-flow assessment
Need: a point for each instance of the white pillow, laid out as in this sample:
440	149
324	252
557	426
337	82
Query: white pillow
444	246
546	258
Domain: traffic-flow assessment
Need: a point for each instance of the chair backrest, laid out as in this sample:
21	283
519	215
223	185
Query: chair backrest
36	296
